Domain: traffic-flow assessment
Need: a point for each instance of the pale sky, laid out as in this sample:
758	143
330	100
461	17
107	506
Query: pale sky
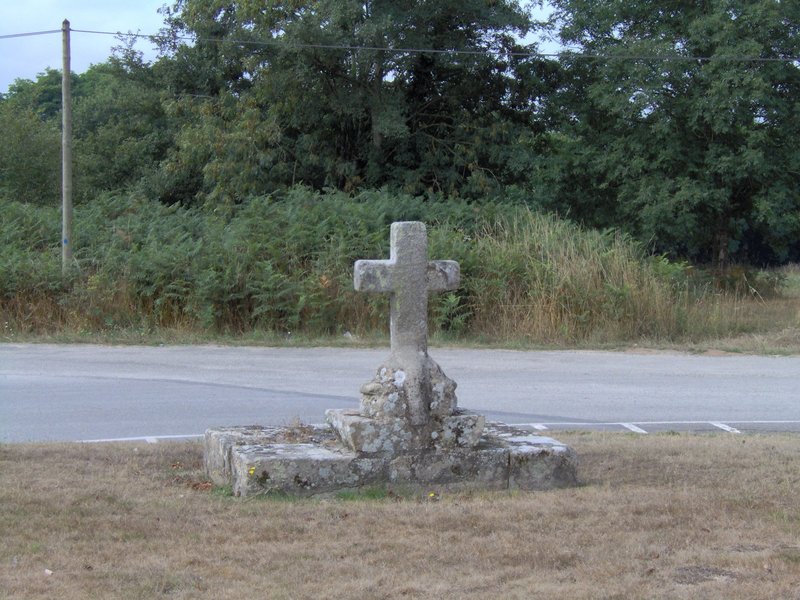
25	57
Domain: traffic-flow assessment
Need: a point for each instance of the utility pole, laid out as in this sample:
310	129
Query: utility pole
66	152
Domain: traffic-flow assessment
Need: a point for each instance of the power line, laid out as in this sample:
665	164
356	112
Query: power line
678	57
31	33
517	54
281	43
354	48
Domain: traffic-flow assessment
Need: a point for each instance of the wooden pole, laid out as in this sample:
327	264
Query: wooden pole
66	153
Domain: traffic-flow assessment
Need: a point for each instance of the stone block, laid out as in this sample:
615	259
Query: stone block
461	430
368	436
536	462
299	469
485	467
312	461
401	384
393	436
219	441
542	468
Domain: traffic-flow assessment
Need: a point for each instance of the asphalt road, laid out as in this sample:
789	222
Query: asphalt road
83	392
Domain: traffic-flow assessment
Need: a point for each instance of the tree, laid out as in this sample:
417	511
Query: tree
42	96
30	156
678	123
351	94
122	132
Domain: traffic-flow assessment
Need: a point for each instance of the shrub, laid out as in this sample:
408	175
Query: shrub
284	263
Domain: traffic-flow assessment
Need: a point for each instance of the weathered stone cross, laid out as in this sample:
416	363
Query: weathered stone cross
408	277
410	405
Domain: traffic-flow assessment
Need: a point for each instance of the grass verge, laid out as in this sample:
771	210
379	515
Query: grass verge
659	516
281	267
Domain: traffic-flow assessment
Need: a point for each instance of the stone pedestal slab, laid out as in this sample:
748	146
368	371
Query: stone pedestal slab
311	461
219	442
392	436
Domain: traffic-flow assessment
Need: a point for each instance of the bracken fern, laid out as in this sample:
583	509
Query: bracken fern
283	263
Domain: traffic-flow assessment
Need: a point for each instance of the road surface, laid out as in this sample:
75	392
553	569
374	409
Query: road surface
88	392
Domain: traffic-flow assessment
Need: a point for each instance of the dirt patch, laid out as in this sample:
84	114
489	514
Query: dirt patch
714	352
696	574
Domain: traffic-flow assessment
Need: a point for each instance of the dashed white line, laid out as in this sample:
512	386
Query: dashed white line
632	427
562	424
150	439
725	427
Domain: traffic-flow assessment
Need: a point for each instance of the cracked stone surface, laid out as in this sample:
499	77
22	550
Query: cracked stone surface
315	463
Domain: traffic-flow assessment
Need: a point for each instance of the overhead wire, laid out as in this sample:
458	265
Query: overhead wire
355	48
517	54
28	34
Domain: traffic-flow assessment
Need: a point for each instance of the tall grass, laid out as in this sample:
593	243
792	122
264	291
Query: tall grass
544	279
284	263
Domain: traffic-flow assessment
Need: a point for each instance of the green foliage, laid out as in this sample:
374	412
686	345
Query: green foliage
283	263
30	156
661	130
31	283
303	105
370	494
30	256
42	96
692	155
121	127
537	277
120	131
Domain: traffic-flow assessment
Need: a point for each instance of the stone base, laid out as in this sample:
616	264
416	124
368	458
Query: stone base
391	436
310	461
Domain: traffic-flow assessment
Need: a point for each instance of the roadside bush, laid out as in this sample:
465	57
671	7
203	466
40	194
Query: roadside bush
283	263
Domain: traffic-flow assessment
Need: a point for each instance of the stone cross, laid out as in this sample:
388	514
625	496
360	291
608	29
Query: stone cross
408	276
410	405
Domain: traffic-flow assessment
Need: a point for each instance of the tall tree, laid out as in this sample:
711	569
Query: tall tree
679	122
121	128
30	155
419	95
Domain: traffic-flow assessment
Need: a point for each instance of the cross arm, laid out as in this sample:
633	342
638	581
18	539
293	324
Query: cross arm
443	275
372	276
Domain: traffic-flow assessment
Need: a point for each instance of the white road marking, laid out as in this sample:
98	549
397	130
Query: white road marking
613	423
632	427
725	427
150	439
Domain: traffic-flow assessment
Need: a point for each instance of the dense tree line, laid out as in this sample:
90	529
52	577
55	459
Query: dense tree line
674	121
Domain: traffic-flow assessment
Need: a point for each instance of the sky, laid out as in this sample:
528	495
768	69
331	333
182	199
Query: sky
25	57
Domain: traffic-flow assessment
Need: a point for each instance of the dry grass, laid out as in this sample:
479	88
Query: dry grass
659	516
773	324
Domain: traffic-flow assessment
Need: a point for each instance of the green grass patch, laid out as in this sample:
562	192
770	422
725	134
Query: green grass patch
372	494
